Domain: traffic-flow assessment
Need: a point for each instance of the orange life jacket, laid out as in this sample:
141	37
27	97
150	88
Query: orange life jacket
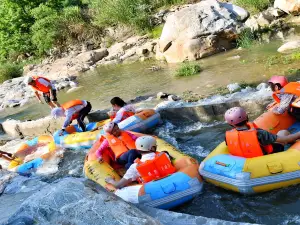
70	104
290	88
245	143
120	145
154	169
125	115
40	87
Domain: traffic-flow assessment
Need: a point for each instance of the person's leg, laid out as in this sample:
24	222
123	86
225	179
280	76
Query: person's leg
54	99
127	159
82	114
47	100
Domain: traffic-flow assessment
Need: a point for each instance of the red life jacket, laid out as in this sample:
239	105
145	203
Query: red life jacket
120	145
154	169
71	104
39	86
245	143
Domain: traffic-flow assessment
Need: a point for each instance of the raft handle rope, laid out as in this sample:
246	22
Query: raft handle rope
222	164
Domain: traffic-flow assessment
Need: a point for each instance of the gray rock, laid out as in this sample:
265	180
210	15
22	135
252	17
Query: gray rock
288	6
197	31
74	201
289	47
161	95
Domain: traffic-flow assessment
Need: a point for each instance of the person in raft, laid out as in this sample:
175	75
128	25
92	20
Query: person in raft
120	144
121	110
286	94
248	141
75	109
153	165
43	85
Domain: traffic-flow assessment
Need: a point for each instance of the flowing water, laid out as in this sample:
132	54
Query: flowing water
195	139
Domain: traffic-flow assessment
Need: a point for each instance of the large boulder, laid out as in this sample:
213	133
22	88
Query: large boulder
289	47
197	31
288	6
74	201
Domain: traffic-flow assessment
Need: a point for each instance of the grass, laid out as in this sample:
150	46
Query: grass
188	69
282	59
9	71
155	33
246	39
254	6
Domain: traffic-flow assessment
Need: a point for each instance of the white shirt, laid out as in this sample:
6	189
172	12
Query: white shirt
132	172
119	114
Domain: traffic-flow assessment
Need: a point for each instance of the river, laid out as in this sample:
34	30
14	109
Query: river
195	139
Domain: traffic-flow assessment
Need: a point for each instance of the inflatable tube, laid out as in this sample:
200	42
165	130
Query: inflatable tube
259	174
165	193
30	149
74	139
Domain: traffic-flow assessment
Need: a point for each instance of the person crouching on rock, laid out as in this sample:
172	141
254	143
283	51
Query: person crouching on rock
145	169
121	110
248	141
120	143
75	109
286	94
43	85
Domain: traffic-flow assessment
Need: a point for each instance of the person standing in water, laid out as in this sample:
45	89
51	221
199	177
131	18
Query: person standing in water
43	85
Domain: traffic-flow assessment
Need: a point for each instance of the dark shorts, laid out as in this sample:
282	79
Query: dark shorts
295	112
85	111
47	97
277	148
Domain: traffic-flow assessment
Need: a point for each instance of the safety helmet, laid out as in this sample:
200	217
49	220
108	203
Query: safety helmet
28	80
57	112
109	127
279	80
235	115
145	143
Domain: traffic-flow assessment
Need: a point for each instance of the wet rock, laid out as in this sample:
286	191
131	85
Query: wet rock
161	95
262	86
197	31
72	201
98	115
289	47
288	6
233	87
236	57
173	98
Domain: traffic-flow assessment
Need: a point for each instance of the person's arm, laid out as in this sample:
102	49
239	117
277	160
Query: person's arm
118	117
37	95
100	150
133	137
118	184
289	138
285	101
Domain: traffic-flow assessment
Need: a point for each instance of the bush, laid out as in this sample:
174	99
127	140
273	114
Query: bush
9	71
246	39
156	32
253	6
188	69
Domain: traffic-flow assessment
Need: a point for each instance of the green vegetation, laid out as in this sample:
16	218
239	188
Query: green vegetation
156	32
254	6
9	71
33	27
282	59
246	39
188	69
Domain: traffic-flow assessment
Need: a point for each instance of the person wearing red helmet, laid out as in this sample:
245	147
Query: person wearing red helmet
286	95
248	141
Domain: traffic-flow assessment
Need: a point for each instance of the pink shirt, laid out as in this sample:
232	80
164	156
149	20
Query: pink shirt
105	145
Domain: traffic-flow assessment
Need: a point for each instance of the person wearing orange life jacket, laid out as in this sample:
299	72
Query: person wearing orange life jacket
286	95
43	85
121	110
75	109
121	145
248	141
151	166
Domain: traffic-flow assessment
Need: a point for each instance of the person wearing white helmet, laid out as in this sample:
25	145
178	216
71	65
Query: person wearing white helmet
74	109
120	143
43	85
248	141
146	145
